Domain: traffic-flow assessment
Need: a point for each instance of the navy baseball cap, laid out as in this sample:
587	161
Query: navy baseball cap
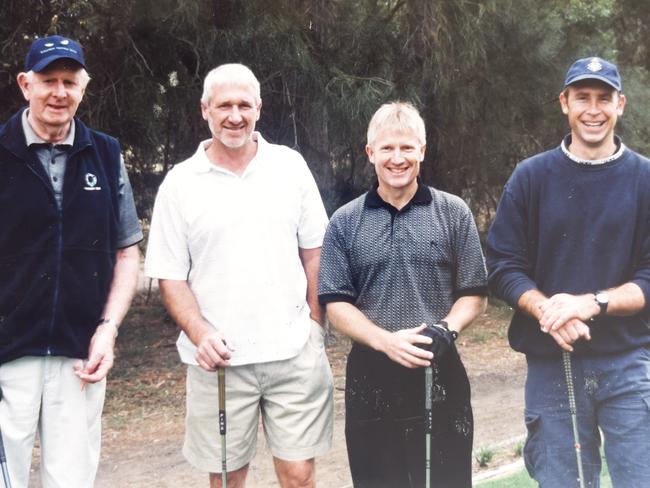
47	49
594	69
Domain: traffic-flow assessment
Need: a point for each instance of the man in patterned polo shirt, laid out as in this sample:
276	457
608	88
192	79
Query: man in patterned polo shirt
398	261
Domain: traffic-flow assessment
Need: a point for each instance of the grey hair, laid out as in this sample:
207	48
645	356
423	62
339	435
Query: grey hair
233	73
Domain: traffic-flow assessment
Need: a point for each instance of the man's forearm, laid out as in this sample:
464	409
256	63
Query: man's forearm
403	346
183	308
464	311
627	299
124	284
349	320
310	259
530	301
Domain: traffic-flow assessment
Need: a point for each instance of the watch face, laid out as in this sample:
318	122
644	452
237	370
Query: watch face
602	298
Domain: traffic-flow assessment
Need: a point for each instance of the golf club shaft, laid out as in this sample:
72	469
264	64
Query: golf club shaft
5	474
221	376
3	464
566	359
428	422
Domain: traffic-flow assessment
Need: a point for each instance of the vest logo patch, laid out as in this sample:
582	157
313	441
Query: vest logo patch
91	182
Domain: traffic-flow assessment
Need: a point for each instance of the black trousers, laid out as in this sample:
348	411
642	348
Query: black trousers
384	423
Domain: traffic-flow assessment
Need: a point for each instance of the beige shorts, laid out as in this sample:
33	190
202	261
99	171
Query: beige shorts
294	397
44	394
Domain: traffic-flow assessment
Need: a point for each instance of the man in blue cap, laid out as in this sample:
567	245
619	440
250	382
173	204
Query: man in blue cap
68	269
569	250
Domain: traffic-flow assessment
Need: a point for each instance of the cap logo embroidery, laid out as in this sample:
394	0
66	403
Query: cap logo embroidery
91	181
49	44
65	42
594	65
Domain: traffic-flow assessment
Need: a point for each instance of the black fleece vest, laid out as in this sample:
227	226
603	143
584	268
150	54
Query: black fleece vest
56	265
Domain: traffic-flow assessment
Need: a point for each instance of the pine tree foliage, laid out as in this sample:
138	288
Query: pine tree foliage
484	73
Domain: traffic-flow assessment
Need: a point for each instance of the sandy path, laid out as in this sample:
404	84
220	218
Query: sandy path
498	410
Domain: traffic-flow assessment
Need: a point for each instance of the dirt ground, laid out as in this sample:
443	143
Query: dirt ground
144	411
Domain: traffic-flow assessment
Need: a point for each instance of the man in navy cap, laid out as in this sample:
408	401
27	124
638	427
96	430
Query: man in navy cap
68	268
569	250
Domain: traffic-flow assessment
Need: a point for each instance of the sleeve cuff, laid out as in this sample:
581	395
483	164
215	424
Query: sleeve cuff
165	275
645	289
518	290
468	292
129	241
326	298
311	243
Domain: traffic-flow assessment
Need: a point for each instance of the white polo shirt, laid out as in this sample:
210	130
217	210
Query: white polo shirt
235	239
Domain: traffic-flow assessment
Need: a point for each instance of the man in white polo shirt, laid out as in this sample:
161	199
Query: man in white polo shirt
235	243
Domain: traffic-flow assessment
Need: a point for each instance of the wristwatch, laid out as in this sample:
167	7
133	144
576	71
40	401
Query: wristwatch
445	325
602	299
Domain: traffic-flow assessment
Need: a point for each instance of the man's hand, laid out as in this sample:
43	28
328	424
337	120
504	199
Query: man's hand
402	347
100	355
559	309
569	333
213	351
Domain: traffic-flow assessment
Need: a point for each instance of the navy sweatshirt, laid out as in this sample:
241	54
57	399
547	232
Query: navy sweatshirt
562	226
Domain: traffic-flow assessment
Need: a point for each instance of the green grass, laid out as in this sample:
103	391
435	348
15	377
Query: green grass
484	456
520	479
519	449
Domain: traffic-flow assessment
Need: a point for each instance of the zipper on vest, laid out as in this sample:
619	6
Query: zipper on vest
59	246
57	278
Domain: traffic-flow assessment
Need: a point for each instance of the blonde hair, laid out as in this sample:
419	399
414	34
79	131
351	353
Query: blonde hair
234	73
400	116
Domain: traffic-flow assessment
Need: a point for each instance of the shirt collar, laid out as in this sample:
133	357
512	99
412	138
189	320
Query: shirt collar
201	162
422	196
566	142
203	165
32	138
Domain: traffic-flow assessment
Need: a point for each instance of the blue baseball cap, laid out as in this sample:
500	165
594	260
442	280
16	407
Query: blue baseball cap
594	69
45	50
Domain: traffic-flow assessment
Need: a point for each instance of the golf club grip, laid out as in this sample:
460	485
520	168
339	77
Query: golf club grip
568	372
428	400
566	360
221	375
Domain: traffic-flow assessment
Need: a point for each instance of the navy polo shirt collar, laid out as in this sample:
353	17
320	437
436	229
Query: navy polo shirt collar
422	196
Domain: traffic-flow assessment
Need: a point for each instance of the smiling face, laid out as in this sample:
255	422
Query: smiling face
231	113
54	95
592	107
396	155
